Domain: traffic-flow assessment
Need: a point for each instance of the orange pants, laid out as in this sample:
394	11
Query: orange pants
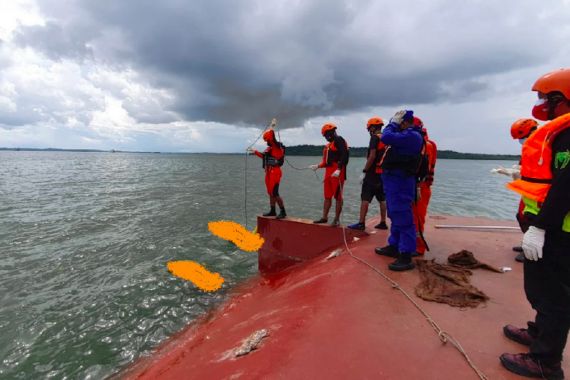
420	211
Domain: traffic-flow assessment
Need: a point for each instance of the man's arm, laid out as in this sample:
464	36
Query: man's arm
372	156
342	151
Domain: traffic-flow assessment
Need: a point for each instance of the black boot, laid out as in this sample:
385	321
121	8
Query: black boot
402	263
282	214
388	250
271	212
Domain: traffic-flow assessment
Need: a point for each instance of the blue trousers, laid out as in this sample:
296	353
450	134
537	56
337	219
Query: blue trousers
400	190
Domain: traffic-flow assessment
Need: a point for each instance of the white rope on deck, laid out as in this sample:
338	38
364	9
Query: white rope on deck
443	335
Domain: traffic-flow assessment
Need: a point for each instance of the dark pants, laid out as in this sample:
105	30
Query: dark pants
547	288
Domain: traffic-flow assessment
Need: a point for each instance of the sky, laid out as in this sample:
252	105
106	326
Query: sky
208	75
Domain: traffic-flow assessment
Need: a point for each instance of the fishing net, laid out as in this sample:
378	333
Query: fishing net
466	259
447	284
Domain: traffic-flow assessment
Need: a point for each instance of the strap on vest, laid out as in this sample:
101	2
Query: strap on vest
537	180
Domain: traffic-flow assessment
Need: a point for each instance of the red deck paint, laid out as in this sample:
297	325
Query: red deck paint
288	243
337	319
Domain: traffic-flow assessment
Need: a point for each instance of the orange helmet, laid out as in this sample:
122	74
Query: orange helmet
269	135
522	128
558	80
418	122
374	121
328	127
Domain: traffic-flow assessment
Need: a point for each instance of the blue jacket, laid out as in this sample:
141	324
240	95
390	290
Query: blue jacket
407	142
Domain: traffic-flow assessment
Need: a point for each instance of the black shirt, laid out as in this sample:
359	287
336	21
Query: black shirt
557	202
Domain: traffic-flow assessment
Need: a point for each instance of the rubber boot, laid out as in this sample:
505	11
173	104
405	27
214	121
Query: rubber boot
357	226
526	365
402	263
388	250
381	226
282	214
271	212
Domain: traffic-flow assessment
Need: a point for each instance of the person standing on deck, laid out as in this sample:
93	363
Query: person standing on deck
273	158
372	181
424	187
545	188
335	159
521	130
399	169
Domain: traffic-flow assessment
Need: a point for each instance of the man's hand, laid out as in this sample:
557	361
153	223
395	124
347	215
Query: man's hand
250	151
398	117
336	173
313	167
533	242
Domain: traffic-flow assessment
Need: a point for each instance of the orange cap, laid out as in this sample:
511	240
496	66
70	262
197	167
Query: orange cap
522	128
269	135
558	80
374	121
328	127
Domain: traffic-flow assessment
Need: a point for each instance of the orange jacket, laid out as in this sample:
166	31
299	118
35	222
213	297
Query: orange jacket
431	150
536	162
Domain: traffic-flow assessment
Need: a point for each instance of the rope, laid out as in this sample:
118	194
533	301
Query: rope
245	177
442	335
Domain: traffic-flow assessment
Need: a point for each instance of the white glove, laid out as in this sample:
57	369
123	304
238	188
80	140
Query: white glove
313	167
398	117
250	151
533	241
516	174
336	173
361	178
502	170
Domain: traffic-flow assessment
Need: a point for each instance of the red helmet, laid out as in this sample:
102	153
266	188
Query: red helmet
328	127
418	122
376	121
558	80
269	135
522	128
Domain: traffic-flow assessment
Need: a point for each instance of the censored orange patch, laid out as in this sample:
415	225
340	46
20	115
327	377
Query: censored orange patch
197	274
237	234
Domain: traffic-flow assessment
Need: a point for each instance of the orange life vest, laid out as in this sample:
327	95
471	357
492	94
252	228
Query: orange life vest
331	154
380	148
536	162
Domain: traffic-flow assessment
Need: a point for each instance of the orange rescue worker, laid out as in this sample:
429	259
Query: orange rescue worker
521	130
335	159
372	180
273	158
424	188
545	188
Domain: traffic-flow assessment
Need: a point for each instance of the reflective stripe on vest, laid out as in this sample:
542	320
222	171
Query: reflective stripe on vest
531	207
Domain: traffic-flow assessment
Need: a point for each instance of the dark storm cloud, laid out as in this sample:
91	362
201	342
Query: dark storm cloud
245	62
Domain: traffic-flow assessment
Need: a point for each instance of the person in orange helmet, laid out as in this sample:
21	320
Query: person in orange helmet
521	130
372	180
423	191
335	159
273	158
545	189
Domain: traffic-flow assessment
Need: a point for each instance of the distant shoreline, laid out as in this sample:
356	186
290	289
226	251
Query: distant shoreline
297	150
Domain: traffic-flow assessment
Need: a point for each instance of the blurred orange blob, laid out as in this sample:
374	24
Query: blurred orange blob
237	234
197	274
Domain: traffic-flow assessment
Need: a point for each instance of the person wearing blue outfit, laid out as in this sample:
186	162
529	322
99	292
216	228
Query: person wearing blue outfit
399	168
